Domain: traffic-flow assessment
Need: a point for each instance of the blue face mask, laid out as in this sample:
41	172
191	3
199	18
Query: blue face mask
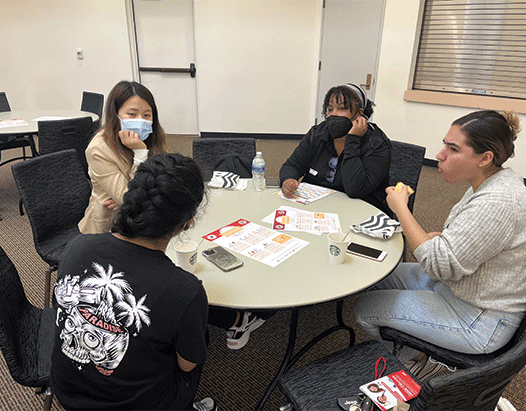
142	127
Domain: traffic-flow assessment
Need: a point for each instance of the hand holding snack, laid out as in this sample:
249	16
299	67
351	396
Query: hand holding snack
401	185
397	197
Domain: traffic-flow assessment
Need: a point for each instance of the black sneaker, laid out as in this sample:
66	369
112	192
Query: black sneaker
237	337
206	404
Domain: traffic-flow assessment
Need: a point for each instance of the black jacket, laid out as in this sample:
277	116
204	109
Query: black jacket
362	170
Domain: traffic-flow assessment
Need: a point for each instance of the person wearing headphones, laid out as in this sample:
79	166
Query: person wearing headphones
345	152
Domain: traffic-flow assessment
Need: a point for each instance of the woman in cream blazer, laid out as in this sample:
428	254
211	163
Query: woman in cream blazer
115	151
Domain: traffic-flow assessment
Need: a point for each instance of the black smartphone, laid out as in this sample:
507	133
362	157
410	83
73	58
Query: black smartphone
367	252
222	258
272	182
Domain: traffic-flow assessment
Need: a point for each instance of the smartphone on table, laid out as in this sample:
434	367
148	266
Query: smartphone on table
222	258
272	182
365	251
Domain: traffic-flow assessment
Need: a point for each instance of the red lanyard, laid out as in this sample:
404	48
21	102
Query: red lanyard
378	361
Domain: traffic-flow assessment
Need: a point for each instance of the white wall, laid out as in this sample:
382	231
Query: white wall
38	64
418	123
257	64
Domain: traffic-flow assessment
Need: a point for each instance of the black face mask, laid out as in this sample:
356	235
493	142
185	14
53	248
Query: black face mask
338	126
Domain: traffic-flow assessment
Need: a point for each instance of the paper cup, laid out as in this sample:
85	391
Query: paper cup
337	247
186	252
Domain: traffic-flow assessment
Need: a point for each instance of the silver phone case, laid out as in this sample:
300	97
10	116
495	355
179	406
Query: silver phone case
222	258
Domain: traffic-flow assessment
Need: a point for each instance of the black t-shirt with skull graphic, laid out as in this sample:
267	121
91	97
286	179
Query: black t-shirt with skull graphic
123	312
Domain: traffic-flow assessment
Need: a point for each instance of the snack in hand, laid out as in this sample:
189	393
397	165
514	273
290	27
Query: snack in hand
401	185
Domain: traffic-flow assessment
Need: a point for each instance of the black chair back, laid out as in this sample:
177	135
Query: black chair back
8	142
406	165
207	151
4	104
59	135
22	338
55	192
93	103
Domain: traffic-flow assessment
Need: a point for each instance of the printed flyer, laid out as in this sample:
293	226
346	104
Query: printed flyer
12	123
293	219
307	193
386	391
257	242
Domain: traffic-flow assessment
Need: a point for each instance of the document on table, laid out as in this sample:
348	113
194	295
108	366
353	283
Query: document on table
307	193
294	219
257	242
12	123
50	118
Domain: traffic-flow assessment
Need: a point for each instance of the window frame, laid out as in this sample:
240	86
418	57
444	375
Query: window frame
451	98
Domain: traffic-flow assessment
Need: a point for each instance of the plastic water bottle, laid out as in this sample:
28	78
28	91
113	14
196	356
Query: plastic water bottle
258	172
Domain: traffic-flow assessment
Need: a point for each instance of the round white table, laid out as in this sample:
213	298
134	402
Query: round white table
31	117
306	278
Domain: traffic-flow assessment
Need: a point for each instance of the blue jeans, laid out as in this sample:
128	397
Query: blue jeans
410	301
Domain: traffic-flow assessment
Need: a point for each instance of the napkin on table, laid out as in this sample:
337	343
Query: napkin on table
224	179
379	226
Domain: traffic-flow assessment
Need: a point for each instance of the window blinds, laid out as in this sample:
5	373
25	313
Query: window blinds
473	47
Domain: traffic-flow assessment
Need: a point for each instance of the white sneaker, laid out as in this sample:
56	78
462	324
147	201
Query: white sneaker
206	404
237	337
433	368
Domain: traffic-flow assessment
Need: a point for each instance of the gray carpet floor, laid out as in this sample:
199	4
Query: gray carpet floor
236	379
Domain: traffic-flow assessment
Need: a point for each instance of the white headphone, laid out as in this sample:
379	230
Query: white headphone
360	93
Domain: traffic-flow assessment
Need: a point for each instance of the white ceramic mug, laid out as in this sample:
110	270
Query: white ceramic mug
186	252
337	247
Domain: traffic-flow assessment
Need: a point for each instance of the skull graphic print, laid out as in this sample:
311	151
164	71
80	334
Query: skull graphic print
97	316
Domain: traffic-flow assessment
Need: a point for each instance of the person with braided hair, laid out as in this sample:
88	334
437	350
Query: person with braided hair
467	293
345	152
132	326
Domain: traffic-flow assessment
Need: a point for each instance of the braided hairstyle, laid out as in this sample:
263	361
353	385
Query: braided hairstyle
163	197
489	130
348	97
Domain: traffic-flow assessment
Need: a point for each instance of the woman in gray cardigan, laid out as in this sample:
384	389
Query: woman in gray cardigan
467	292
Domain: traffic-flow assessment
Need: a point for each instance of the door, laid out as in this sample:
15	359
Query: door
166	51
350	46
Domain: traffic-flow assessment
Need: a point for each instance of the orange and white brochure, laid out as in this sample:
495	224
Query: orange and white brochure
12	123
387	391
257	242
306	193
293	219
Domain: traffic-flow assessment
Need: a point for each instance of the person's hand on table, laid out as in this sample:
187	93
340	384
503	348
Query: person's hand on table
111	204
289	187
131	140
359	126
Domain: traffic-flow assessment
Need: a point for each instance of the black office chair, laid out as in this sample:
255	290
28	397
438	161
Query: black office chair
208	151
59	135
55	192
317	386
406	165
26	333
449	357
93	103
10	142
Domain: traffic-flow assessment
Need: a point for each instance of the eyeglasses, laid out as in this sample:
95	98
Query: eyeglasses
329	176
